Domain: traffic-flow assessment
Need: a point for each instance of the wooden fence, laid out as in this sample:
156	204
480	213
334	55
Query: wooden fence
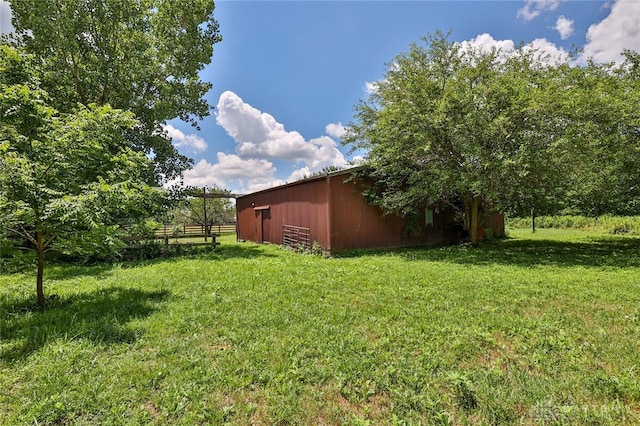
187	231
169	232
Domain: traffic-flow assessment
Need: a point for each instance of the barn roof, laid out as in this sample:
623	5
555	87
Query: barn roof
305	180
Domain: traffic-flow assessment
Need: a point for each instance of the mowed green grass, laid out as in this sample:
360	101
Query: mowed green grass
537	329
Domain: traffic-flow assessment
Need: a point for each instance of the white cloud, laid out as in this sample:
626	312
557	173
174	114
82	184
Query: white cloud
564	26
232	172
619	30
486	43
357	160
370	87
337	130
550	52
326	154
533	8
192	142
5	18
259	135
299	174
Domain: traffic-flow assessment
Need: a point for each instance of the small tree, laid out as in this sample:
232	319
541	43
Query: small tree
64	174
203	209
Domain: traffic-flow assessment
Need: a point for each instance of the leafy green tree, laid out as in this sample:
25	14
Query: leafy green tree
481	131
449	127
65	175
602	104
139	56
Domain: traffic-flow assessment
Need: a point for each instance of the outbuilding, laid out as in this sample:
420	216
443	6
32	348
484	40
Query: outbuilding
330	211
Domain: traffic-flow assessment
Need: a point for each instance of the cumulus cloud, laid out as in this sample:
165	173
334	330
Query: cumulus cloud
564	26
5	18
232	171
259	135
485	43
259	139
358	160
619	30
192	142
550	52
533	8
299	174
337	130
370	87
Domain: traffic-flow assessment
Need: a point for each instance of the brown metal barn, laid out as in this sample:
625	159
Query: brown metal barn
330	211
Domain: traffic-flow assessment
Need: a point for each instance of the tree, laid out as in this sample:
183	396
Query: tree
449	127
478	130
206	209
602	102
139	56
64	174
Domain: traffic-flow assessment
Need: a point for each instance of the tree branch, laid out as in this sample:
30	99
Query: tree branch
24	233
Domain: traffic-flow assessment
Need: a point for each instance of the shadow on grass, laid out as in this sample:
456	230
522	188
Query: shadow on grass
222	252
101	317
605	252
64	271
60	270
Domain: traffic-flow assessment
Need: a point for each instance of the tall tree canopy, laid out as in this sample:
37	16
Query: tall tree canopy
479	130
65	176
141	56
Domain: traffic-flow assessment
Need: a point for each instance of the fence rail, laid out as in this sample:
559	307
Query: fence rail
167	232
191	230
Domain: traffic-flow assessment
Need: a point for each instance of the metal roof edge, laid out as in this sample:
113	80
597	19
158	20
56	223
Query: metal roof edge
309	179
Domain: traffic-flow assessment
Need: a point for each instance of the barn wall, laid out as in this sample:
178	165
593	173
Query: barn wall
495	222
303	205
356	224
339	218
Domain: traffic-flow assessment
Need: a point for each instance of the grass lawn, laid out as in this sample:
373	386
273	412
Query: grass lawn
535	329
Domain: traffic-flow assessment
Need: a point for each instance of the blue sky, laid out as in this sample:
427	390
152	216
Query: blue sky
287	74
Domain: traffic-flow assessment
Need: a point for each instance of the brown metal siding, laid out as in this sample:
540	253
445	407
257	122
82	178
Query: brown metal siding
356	224
338	217
496	224
303	205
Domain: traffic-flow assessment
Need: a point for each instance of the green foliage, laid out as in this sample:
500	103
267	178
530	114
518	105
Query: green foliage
604	137
450	125
325	171
535	329
143	57
607	223
65	178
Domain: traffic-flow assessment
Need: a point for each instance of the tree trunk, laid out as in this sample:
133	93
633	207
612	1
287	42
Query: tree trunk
533	220
474	220
39	286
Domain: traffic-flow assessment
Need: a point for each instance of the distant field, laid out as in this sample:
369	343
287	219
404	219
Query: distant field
539	328
602	224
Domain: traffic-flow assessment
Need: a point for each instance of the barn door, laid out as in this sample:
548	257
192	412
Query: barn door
262	220
258	225
266	226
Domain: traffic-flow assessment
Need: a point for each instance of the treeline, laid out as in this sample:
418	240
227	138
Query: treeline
606	223
483	130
